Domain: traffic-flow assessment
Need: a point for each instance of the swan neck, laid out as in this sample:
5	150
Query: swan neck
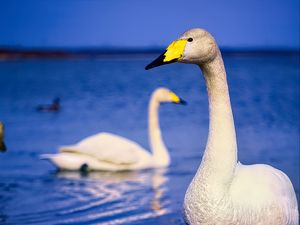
159	150
220	156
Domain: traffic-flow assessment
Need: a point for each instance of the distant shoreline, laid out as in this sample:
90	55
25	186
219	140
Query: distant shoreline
33	53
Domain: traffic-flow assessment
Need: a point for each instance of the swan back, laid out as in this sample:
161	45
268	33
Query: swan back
269	192
106	147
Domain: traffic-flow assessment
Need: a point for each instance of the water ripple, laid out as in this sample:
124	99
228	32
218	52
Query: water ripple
73	198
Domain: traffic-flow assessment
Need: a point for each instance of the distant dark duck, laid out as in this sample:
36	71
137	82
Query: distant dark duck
54	107
2	145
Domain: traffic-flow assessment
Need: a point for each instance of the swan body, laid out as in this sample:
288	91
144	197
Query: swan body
106	151
103	151
224	191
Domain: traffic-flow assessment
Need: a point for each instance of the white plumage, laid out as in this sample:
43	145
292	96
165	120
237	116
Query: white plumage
105	147
224	191
106	151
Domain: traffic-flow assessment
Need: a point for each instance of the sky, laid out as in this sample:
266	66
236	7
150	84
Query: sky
261	24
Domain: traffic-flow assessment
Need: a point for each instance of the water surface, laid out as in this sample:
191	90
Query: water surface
112	95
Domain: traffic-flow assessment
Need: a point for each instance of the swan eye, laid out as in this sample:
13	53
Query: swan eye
190	39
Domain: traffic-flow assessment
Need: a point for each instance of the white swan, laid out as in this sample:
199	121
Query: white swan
224	191
105	151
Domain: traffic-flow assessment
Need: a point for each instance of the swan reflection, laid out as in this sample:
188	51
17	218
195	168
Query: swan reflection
114	197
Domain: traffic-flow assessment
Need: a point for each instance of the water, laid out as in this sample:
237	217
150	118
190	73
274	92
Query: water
112	95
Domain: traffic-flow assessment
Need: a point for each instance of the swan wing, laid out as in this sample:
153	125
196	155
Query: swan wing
107	147
260	184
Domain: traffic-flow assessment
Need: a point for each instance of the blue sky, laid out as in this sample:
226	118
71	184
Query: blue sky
151	23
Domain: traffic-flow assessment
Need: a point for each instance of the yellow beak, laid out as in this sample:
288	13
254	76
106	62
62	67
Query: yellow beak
177	100
172	54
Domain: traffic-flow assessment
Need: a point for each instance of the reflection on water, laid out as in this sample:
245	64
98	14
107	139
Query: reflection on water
101	189
158	179
96	197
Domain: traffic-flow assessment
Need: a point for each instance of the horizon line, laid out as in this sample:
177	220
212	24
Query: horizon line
19	53
134	48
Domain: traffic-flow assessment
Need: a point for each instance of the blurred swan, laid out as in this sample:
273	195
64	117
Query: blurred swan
53	107
2	145
223	190
105	151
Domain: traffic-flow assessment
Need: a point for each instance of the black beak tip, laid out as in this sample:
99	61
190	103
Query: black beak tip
183	102
157	62
148	67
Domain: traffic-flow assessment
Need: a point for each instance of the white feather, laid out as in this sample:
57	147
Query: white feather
223	191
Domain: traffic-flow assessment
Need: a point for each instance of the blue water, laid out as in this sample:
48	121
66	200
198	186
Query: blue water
111	94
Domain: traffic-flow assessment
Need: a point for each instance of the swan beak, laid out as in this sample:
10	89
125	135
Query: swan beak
172	54
177	100
182	102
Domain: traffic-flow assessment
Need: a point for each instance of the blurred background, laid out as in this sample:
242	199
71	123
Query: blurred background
91	55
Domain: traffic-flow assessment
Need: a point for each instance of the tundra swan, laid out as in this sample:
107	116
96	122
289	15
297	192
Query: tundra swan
106	151
224	191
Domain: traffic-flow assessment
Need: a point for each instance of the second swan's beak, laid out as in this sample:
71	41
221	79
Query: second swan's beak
182	102
172	54
177	100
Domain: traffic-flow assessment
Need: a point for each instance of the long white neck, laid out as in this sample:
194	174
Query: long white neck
159	150
220	157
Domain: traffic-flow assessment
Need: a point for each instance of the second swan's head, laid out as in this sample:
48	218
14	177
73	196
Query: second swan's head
162	95
195	46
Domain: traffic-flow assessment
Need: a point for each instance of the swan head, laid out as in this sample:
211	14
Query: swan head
195	46
163	95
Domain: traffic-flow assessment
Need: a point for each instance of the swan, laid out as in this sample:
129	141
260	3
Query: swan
2	145
106	151
224	191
